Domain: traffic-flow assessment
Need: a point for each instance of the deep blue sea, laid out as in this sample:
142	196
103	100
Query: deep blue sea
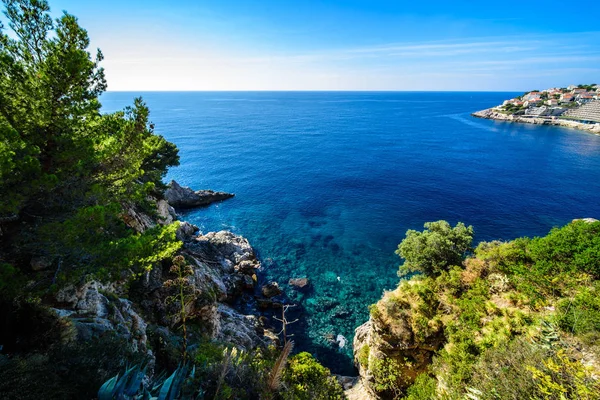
327	183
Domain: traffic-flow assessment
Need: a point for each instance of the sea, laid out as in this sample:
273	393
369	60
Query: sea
327	183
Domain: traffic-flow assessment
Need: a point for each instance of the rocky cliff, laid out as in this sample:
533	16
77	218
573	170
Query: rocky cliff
392	348
224	278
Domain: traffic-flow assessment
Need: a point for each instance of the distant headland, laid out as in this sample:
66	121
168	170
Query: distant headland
576	106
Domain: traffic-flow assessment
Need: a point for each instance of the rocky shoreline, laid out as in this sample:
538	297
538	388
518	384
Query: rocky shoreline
492	113
224	276
183	197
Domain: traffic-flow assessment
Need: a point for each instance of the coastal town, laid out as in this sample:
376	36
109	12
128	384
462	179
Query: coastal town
576	106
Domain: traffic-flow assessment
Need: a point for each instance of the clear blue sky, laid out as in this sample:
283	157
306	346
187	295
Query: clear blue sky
343	45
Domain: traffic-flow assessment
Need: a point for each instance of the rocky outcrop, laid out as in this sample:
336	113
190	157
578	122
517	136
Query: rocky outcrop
224	268
183	197
185	231
492	113
140	220
271	289
94	308
225	307
389	342
356	390
224	272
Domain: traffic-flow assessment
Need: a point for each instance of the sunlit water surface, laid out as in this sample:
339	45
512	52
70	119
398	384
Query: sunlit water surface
327	184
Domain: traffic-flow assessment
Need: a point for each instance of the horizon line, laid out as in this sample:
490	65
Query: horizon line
306	91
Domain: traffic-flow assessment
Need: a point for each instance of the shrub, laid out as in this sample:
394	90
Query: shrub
72	371
363	356
306	379
500	373
580	315
575	246
387	377
424	388
435	249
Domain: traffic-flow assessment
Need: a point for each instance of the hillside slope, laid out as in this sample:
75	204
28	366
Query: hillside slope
516	320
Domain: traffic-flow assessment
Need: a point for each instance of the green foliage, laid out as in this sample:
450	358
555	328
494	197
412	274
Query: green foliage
47	97
500	372
131	155
526	370
581	314
387	376
11	281
234	373
64	371
96	241
363	355
129	385
564	378
435	249
68	173
574	247
424	388
485	310
306	379
550	266
587	87
184	294
415	303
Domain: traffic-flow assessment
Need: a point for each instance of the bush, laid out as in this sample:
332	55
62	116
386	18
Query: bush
73	371
306	379
580	315
435	249
574	247
424	388
388	379
500	372
363	356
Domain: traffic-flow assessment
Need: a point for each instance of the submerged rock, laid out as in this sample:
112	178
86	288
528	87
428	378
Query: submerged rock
184	197
271	289
299	283
341	341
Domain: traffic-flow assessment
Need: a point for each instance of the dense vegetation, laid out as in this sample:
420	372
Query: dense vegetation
72	181
514	320
67	172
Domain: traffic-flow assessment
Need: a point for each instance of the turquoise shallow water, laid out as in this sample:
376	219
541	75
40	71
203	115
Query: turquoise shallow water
328	183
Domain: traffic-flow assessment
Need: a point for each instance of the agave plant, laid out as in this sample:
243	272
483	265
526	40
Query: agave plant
129	385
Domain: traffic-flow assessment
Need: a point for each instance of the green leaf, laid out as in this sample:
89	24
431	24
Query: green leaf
106	390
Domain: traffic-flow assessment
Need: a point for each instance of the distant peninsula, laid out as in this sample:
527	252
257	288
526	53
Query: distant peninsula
576	106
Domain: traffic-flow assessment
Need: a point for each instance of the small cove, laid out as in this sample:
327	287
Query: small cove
327	183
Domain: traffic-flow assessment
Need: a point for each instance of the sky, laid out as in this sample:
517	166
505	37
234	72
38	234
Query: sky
342	45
